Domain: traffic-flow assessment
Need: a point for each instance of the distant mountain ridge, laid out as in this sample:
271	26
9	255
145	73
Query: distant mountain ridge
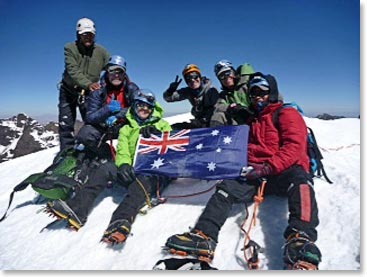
326	116
21	135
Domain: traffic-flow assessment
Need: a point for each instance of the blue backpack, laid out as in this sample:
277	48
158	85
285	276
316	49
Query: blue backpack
313	151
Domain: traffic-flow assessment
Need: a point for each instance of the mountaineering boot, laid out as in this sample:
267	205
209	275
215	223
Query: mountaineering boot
194	243
117	231
300	253
61	210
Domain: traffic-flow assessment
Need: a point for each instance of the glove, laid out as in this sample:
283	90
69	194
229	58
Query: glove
258	171
198	123
174	85
236	110
111	120
126	174
148	130
114	106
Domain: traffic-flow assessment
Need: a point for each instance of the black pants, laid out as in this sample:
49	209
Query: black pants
294	183
297	185
68	103
84	198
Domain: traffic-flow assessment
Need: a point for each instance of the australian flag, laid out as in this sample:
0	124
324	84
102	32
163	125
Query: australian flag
205	153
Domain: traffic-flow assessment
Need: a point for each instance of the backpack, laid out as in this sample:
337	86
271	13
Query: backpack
59	180
316	167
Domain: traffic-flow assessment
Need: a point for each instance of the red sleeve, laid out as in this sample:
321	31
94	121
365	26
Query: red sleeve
293	140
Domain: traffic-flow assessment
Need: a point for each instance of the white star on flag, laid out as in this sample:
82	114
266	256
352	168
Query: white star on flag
227	140
218	150
211	166
199	146
215	132
157	163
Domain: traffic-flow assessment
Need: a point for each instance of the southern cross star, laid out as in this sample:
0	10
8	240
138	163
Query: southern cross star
157	163
199	146
211	166
227	140
215	133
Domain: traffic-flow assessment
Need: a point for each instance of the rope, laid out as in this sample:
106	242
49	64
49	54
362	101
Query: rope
193	194
252	246
339	148
145	192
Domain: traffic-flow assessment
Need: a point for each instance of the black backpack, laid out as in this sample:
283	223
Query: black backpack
313	151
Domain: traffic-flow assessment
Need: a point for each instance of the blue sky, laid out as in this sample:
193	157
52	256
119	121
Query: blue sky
312	47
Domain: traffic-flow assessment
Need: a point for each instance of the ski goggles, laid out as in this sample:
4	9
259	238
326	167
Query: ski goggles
190	77
224	75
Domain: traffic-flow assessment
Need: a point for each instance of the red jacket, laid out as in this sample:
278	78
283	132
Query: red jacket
280	148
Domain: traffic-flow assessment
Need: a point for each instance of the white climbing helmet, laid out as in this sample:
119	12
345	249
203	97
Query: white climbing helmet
85	25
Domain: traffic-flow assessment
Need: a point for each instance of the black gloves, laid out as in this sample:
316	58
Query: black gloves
236	110
174	85
148	130
126	174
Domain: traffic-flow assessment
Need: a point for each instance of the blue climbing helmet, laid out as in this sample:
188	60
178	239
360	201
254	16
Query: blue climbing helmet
116	62
145	96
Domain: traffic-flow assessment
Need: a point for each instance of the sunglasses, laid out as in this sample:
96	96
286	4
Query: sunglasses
116	73
225	75
145	106
87	34
257	93
190	77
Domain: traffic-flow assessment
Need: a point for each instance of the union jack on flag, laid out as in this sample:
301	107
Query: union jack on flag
164	142
205	153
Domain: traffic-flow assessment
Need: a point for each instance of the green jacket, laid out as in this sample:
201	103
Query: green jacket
239	94
129	134
83	65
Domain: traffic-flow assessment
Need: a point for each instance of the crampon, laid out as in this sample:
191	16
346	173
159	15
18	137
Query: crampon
201	255
71	224
117	232
301	265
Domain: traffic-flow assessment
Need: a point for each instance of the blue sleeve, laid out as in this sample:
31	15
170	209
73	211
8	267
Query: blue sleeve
97	110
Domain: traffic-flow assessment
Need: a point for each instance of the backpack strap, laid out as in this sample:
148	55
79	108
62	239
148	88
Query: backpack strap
318	156
276	117
22	186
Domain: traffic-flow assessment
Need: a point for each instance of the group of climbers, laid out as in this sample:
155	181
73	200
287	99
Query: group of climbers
112	107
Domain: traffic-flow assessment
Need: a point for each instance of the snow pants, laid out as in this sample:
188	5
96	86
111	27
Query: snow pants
294	183
137	193
68	103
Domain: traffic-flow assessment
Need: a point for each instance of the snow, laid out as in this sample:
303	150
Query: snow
23	247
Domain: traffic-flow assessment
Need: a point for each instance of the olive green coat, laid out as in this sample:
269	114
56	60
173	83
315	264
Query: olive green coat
83	65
